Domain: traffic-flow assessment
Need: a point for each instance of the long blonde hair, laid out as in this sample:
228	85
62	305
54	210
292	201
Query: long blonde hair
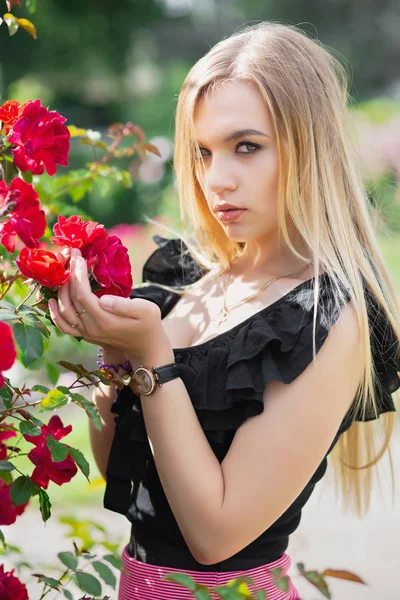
306	91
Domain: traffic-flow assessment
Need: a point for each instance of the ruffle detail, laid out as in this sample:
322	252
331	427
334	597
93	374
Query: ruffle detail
226	376
171	264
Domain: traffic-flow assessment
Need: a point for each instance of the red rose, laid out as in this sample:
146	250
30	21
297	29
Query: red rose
25	218
105	255
8	512
41	139
6	432
42	266
9	114
8	353
111	266
75	233
54	427
47	469
10	586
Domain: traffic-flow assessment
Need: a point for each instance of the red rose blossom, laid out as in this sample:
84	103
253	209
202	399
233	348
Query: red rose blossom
105	255
8	353
75	233
9	113
111	266
40	139
6	432
25	218
11	587
8	512
47	469
43	266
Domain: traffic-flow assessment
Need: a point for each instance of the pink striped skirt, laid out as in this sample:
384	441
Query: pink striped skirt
142	581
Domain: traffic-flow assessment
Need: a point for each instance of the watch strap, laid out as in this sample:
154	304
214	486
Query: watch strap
167	372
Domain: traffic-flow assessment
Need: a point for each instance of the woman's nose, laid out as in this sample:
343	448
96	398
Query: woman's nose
219	179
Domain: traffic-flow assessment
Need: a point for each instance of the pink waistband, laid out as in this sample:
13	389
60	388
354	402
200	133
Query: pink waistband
142	581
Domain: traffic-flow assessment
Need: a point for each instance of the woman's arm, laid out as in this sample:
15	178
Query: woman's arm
103	397
101	441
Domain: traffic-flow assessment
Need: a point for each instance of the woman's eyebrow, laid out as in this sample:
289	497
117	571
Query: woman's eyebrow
241	133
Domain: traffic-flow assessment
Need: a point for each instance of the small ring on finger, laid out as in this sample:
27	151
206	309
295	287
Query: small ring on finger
77	325
79	312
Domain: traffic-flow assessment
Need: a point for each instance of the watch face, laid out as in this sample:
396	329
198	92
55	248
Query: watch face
146	381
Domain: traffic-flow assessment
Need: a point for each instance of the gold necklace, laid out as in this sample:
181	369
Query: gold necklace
224	312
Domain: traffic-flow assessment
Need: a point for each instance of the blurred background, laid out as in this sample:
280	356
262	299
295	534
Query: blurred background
98	63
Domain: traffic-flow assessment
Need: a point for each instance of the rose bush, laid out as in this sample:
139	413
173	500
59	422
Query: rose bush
35	139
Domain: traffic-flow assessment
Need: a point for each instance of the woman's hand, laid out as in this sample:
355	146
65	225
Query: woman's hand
133	326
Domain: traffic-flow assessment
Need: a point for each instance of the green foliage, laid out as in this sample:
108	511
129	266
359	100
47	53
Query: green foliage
44	504
59	451
21	490
68	559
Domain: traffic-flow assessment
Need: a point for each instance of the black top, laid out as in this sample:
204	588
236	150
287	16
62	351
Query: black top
225	379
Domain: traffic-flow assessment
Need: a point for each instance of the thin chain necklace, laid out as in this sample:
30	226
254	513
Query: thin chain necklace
226	310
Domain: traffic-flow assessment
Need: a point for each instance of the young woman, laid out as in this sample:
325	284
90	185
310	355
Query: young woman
273	326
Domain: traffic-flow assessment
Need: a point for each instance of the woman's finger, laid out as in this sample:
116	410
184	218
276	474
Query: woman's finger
65	306
61	323
81	293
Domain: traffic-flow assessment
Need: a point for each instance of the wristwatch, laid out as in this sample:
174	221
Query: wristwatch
145	379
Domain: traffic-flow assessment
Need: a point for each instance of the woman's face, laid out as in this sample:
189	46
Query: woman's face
243	171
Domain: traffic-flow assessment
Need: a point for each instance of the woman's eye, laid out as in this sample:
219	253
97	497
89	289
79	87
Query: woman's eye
255	147
252	148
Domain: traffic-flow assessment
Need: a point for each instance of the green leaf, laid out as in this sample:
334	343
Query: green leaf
40	388
88	583
63	389
53	583
105	573
59	451
21	490
68	559
27	176
30	343
318	581
31	6
44	504
6	466
6	395
2	538
115	561
52	373
182	579
79	191
204	594
70	366
89	407
6	476
35	420
27	428
68	594
80	461
54	399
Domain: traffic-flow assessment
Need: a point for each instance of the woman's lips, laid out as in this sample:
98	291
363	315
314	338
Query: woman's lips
227	216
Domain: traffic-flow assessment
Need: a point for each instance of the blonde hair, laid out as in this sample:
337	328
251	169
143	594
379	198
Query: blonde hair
306	91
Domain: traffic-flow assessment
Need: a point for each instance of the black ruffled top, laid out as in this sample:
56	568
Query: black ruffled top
225	379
